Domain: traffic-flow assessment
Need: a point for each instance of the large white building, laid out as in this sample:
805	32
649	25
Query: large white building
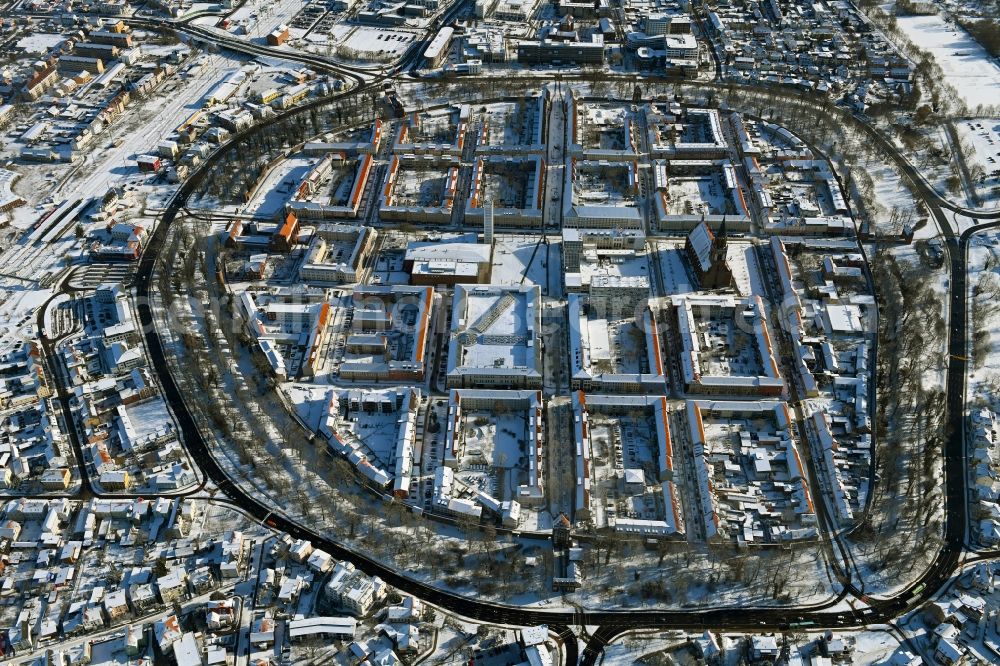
495	339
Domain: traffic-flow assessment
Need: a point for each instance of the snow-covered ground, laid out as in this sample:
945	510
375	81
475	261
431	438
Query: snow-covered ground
111	163
40	43
982	138
874	647
112	160
630	577
639	647
18	303
878	551
984	276
967	66
380	41
257	18
520	260
278	185
868	647
972	589
144	126
935	156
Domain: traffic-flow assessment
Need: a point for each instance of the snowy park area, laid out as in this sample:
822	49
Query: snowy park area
967	66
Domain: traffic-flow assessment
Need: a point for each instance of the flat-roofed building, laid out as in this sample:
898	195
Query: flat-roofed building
72	63
445	262
504	429
322	627
333	188
401	315
437	51
495	339
512	185
547	51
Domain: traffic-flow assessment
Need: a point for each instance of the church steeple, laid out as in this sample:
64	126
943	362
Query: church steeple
720	243
721	236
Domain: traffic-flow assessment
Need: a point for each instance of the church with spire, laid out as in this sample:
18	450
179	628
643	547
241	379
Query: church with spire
707	252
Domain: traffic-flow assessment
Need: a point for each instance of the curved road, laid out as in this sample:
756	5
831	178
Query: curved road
611	622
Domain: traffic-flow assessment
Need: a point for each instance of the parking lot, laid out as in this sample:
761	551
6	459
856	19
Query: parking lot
93	275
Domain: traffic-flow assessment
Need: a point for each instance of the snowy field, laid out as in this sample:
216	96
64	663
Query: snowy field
965	63
894	203
935	375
